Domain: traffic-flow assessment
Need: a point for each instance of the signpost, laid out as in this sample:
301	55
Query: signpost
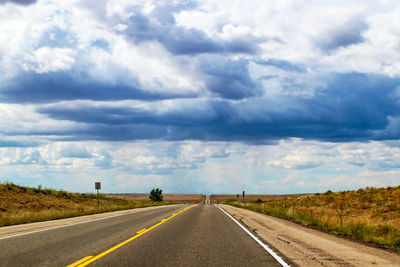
97	186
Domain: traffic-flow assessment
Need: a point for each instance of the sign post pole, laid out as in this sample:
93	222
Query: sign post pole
97	186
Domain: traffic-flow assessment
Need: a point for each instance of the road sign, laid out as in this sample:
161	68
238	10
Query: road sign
97	185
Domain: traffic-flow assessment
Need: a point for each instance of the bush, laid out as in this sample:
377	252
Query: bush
156	194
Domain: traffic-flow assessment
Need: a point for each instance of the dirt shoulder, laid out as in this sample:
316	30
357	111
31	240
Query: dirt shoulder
6	231
308	247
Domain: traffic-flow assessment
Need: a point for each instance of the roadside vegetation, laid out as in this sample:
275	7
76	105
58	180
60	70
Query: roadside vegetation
156	195
371	215
20	204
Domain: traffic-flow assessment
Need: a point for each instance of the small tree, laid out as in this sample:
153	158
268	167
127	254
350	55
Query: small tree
156	194
341	205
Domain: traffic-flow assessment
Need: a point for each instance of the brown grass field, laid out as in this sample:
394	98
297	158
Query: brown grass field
180	198
19	204
250	197
371	215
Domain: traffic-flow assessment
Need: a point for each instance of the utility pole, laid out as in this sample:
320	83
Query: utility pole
97	186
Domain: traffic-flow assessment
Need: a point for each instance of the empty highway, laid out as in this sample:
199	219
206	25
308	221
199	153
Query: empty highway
180	235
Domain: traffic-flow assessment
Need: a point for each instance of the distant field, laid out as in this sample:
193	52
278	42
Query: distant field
186	198
371	214
251	197
20	204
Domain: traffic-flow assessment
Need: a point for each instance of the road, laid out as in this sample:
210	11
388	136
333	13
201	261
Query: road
182	235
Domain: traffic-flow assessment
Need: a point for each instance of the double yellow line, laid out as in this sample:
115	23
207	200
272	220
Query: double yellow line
89	259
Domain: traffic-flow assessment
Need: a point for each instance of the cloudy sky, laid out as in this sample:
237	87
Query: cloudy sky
200	97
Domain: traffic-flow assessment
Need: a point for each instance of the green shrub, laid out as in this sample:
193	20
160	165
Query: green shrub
156	195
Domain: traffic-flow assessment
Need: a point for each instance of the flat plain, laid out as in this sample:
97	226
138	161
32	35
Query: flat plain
186	198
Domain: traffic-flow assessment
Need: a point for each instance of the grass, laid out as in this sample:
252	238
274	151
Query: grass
20	204
371	215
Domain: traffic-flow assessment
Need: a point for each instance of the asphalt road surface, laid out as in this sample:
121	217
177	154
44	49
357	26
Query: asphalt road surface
182	235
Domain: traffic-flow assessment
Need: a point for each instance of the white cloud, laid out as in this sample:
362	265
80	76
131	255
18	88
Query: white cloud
25	45
309	24
52	36
363	179
129	182
16	119
372	155
46	59
195	150
288	166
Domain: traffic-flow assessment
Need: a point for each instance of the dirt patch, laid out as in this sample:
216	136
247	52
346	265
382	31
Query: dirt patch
308	247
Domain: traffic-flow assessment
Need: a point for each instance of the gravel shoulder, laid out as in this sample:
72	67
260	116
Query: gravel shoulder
309	247
6	231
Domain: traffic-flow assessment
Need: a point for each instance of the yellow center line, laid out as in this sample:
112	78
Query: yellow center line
90	259
80	261
141	231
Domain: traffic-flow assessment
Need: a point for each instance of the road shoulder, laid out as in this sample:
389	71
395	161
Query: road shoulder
308	247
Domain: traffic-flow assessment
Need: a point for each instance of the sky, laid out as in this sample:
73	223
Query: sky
200	96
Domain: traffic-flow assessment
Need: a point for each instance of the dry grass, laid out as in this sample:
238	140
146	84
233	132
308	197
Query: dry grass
250	197
371	214
168	198
19	204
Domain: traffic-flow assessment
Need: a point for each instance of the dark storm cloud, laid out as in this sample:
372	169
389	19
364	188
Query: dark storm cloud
281	64
97	114
351	107
74	152
103	132
30	87
229	78
18	2
178	40
7	143
165	13
343	35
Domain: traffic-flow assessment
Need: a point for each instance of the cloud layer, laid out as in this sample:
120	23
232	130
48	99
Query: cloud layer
205	71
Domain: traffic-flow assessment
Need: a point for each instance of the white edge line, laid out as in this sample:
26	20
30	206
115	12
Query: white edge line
270	251
66	225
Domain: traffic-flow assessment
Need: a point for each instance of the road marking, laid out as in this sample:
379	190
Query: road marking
130	239
80	261
270	251
141	231
66	225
